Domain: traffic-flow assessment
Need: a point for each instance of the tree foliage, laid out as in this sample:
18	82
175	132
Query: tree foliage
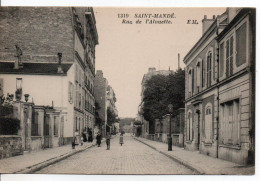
111	116
160	91
98	121
9	126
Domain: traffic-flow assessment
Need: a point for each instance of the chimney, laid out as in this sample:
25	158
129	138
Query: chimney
60	71
206	23
99	73
151	70
18	62
178	61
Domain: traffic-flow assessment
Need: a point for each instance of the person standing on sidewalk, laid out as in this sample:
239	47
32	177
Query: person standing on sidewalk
98	139
121	139
108	137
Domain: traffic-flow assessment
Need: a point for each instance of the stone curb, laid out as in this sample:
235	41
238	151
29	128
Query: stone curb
177	159
38	166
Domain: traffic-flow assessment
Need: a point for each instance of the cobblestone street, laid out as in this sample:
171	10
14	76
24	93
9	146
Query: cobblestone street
132	158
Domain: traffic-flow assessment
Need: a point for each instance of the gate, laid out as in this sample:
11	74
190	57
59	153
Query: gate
26	117
47	137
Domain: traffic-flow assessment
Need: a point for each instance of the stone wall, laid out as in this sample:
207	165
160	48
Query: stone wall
10	145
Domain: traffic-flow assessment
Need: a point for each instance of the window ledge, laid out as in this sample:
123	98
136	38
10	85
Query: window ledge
207	144
36	136
188	141
237	147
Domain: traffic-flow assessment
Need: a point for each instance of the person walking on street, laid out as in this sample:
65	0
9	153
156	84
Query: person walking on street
98	139
108	137
121	139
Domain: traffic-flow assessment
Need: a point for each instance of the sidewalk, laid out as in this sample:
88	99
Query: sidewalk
200	163
32	161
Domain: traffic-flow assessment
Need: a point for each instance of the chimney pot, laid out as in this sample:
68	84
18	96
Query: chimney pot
59	64
205	16
214	16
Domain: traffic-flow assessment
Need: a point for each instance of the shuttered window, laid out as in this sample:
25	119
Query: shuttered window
70	93
230	123
208	124
209	69
241	45
221	59
229	56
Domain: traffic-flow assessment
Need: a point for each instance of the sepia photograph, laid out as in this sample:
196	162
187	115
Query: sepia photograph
127	90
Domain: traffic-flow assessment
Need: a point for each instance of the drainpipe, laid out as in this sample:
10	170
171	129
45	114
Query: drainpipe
217	137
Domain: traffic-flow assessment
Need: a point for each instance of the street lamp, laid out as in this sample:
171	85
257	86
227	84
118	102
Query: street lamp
170	107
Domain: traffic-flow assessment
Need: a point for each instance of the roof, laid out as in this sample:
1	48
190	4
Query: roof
204	37
241	14
34	68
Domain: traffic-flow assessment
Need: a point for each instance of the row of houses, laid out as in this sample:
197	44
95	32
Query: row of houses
219	115
48	54
220	88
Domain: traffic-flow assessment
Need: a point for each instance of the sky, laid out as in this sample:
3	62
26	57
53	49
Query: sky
126	51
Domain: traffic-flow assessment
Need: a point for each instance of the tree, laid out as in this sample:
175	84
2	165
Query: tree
98	121
160	91
111	116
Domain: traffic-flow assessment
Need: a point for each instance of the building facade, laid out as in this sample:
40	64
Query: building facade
30	39
219	87
106	98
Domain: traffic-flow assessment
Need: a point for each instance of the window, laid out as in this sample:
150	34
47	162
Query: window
76	72
76	95
56	126
202	72
70	92
221	59
198	76
189	83
229	56
230	123
208	123
189	127
209	69
192	82
241	45
34	126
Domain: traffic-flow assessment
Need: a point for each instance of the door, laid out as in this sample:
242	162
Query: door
198	117
47	131
26	134
61	131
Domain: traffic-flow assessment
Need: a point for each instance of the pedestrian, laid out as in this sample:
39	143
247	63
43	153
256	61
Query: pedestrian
121	139
98	139
108	137
81	141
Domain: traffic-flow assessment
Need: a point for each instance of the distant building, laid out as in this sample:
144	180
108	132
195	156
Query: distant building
106	98
220	88
49	53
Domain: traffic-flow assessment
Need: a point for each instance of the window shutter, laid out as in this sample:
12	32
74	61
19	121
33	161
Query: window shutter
231	55
227	58
241	36
202	72
221	59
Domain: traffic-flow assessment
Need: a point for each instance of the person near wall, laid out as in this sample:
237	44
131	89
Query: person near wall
121	139
108	137
98	139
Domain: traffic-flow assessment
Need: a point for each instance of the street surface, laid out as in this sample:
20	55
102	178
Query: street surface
131	158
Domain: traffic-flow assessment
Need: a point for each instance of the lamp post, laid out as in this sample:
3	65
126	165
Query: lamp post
170	107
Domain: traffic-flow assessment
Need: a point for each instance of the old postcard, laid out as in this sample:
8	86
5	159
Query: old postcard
143	91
